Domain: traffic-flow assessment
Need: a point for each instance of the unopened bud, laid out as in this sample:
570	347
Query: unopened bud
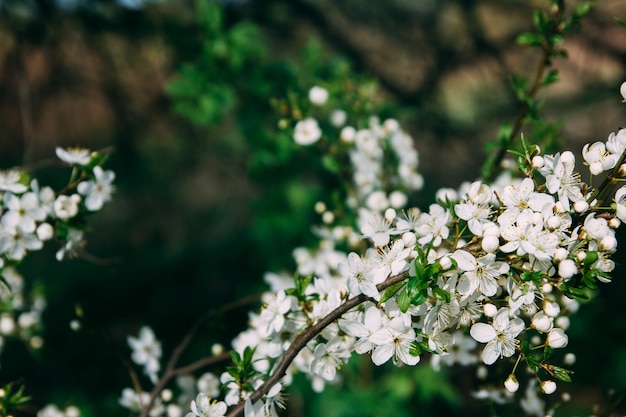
548	387
390	214
217	349
490	243
542	322
608	243
560	254
490	310
511	384
445	263
557	339
567	268
538	162
551	308
410	240
569	359
581	206
622	170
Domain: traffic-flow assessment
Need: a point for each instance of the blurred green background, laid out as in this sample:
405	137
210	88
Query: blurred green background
211	194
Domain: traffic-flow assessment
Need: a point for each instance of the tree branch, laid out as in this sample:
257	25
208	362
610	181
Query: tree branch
305	337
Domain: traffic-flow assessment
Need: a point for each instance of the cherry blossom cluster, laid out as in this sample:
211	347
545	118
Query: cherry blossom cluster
32	214
489	274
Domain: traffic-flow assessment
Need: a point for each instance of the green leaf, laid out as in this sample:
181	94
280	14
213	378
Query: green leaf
441	294
561	373
404	302
419	298
530	39
551	77
591	258
391	291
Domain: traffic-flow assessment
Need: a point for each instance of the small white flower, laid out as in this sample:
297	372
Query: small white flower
307	132
359	275
74	156
204	407
146	351
66	207
599	158
622	90
394	341
99	190
500	337
9	181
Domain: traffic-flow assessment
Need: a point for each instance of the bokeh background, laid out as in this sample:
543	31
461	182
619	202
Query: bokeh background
208	199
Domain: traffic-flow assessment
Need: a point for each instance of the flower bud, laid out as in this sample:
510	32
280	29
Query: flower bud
567	268
608	243
511	384
551	308
622	170
547	288
445	263
560	254
397	199
581	255
490	310
542	322
45	231
569	359
217	349
490	243
581	206
538	162
390	214
548	387
557	339
614	223
410	240
328	217
622	90
554	222
562	322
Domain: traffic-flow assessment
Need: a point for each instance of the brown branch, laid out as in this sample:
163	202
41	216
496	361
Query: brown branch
305	337
544	63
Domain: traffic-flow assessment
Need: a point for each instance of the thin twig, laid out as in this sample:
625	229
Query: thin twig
542	66
305	337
